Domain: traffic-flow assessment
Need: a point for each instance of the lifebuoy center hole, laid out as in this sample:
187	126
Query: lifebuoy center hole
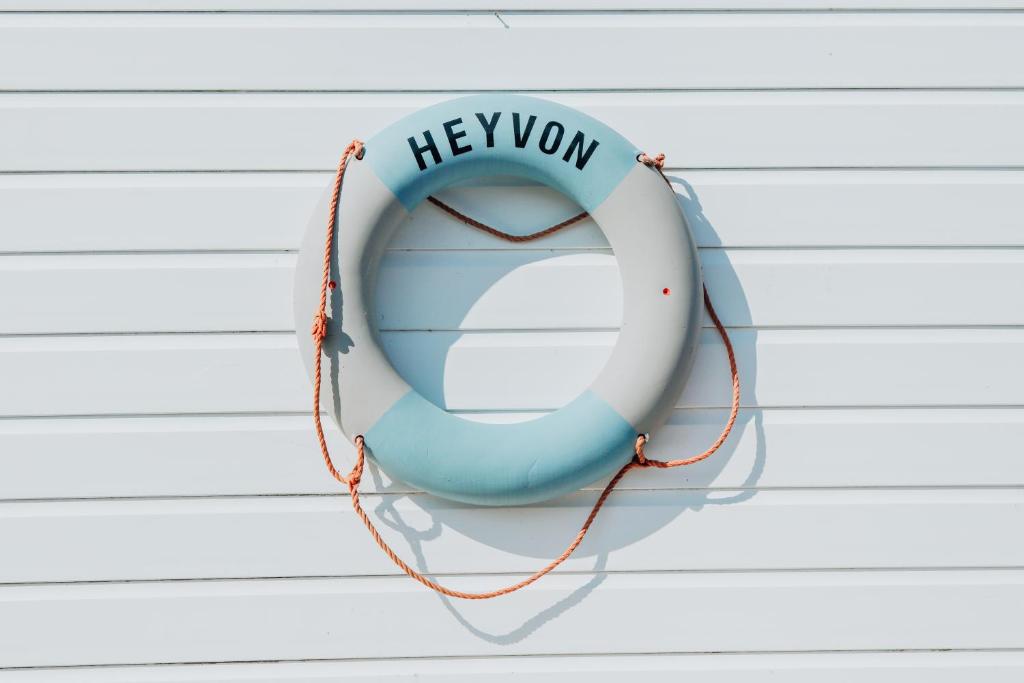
494	331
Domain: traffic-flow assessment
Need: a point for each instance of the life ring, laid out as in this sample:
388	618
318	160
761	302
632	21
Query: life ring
414	440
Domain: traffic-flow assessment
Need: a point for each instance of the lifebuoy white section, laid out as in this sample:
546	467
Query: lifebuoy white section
359	383
661	291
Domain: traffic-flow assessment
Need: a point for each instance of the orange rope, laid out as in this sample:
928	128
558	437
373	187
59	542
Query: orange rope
506	235
319	331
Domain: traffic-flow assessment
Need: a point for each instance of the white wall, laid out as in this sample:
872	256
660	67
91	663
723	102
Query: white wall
855	179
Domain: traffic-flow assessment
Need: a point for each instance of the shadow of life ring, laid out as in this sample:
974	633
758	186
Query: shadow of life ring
594	435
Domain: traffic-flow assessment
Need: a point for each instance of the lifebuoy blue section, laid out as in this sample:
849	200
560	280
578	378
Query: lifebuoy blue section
485	135
501	464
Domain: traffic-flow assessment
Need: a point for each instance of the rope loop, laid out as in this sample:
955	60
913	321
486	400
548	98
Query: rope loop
353	479
657	161
639	457
319	329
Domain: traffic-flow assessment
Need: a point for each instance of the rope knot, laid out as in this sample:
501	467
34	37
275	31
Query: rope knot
639	457
356	148
319	330
356	475
657	161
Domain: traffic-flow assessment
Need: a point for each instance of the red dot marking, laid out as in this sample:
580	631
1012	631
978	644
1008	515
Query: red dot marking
332	284
666	291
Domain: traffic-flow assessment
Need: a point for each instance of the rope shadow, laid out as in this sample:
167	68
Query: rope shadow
388	515
727	287
545	541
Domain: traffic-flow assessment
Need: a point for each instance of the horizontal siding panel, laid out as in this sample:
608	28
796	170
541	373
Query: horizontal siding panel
307	131
779	368
238	455
150	212
524	51
141	293
534	290
488	6
638	531
255	211
860	667
201	621
517	371
778	208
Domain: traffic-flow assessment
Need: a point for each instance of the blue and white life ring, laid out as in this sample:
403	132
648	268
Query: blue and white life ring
500	464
